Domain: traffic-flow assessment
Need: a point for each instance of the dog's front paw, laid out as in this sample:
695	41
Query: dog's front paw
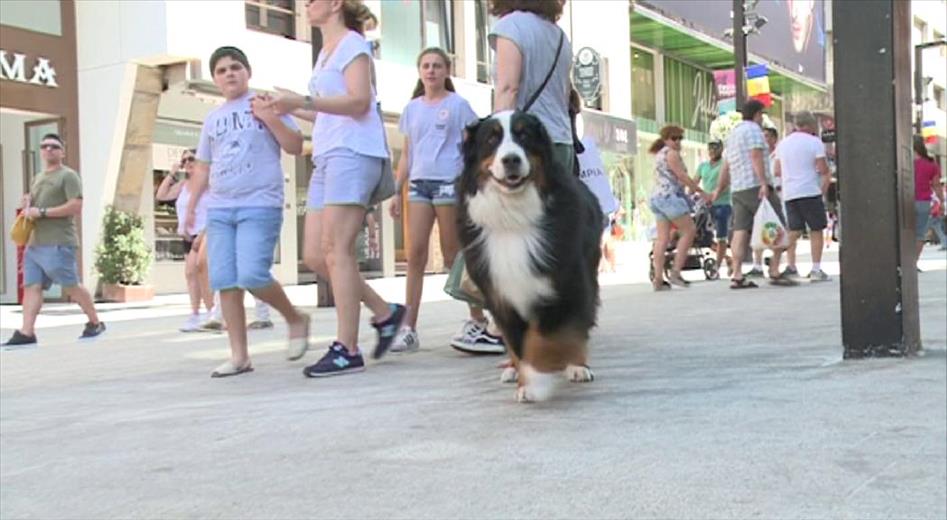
523	395
509	375
579	374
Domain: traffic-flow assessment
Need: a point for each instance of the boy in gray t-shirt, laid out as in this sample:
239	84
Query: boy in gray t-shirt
239	151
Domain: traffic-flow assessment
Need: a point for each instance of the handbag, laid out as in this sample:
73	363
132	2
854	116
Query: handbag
21	230
460	286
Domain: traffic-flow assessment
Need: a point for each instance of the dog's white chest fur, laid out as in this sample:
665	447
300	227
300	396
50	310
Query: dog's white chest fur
513	242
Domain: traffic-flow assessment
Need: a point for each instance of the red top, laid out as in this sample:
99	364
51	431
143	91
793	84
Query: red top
924	174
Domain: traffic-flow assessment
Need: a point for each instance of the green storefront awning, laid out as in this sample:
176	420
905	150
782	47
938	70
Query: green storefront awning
676	40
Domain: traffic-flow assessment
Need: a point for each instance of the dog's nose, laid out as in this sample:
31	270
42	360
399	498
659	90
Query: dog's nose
512	162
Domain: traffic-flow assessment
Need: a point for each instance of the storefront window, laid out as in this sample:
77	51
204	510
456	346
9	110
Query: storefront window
272	16
44	17
484	52
642	84
689	95
407	26
170	142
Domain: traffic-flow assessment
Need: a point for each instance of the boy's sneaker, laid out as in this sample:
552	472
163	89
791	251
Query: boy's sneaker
337	361
388	329
92	330
18	339
474	339
407	341
193	324
260	324
790	270
818	275
754	273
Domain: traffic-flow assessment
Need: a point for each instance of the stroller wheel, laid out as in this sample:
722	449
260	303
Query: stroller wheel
710	269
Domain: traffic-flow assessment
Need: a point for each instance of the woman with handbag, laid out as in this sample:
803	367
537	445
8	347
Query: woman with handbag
349	157
533	58
195	271
433	125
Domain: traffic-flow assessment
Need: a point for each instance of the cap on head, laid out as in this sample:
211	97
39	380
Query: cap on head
228	52
54	137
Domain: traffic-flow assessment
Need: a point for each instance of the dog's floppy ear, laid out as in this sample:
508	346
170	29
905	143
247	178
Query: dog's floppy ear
469	146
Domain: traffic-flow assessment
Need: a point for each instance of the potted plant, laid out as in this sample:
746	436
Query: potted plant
123	258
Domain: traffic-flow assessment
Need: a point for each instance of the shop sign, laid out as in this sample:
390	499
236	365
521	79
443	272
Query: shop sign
587	75
13	68
612	133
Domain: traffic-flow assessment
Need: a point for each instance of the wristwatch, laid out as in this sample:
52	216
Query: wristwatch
42	212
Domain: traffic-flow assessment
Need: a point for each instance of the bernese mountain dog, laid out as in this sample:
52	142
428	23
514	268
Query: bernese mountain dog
530	233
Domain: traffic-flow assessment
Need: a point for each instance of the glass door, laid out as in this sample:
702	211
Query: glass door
33	163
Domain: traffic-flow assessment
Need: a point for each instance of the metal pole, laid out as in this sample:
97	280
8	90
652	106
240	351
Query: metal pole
879	298
918	88
739	53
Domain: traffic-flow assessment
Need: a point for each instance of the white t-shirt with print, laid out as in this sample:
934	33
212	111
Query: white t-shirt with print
435	132
244	157
797	154
364	134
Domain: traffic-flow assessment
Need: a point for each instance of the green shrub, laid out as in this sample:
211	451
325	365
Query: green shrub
123	257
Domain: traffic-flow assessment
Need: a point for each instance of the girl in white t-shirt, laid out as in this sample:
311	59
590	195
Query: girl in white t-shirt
349	151
433	125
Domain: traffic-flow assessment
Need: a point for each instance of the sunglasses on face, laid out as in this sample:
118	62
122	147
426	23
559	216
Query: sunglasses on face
50	146
188	159
677	138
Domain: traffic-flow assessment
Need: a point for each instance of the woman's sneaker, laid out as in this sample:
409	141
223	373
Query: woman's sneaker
193	324
407	341
337	361
473	338
388	329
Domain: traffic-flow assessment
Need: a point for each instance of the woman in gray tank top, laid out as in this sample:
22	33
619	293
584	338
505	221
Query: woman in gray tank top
525	39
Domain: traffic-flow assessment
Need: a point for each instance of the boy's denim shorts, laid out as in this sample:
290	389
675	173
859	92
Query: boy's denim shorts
240	246
46	265
342	177
431	191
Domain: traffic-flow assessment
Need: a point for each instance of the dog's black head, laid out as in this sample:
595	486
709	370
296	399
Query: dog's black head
510	148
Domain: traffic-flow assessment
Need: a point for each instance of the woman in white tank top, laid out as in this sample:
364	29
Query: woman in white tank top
195	271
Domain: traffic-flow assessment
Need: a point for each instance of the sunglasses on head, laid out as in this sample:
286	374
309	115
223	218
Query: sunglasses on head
50	146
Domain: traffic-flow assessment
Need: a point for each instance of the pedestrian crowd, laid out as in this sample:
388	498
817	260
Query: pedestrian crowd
230	199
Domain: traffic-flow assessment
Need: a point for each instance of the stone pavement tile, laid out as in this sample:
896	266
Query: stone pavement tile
706	404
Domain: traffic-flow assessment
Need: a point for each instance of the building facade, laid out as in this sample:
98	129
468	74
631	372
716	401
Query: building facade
38	95
140	88
930	25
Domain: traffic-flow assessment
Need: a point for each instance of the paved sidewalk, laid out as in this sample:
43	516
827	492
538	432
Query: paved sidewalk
708	403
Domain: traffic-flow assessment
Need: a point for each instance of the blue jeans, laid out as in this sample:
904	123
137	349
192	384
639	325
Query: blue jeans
721	214
240	246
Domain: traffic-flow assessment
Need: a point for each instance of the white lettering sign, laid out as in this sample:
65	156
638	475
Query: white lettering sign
13	68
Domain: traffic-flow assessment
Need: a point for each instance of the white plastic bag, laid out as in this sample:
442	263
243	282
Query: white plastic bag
768	231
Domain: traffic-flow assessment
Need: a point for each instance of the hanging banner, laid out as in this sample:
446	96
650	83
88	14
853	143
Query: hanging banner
929	131
757	84
726	90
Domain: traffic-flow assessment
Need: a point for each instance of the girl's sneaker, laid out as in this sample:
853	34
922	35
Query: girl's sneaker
193	323
388	329
407	341
337	361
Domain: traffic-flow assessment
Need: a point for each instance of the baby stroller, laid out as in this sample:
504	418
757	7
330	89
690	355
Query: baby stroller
701	255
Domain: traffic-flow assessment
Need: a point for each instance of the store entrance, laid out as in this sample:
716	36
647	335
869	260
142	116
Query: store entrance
20	160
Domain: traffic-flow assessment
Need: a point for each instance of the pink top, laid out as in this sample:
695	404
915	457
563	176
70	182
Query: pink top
924	174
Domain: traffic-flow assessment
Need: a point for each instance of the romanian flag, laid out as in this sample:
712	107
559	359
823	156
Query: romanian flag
757	84
929	132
